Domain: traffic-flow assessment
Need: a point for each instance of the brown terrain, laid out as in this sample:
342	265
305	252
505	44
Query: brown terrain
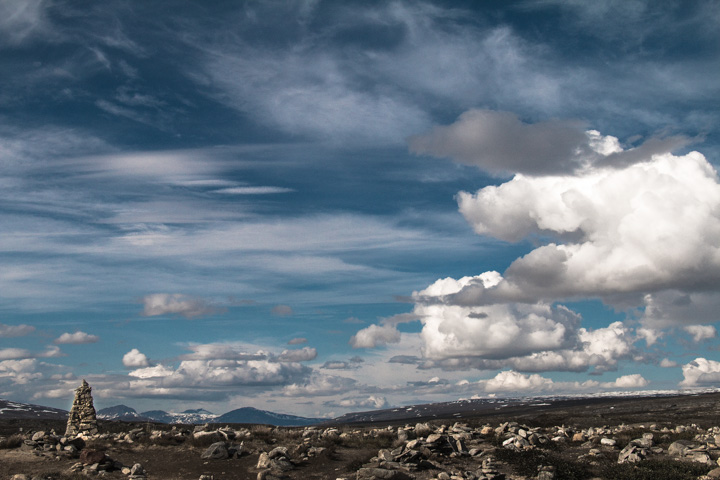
675	437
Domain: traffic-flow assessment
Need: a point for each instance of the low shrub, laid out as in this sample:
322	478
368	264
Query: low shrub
382	439
13	441
656	470
356	463
528	462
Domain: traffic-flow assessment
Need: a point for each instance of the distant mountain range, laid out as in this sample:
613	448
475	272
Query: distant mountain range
253	415
18	410
249	415
123	413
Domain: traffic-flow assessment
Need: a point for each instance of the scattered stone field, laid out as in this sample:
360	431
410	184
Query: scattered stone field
654	438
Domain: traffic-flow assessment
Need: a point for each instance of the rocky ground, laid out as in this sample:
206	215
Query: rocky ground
626	438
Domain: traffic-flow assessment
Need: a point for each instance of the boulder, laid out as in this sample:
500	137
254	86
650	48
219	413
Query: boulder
263	461
714	473
680	447
90	456
423	430
278	452
281	464
632	454
216	451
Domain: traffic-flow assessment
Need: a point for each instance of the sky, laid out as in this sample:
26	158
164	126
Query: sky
316	207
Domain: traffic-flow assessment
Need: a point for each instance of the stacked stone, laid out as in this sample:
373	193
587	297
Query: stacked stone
82	418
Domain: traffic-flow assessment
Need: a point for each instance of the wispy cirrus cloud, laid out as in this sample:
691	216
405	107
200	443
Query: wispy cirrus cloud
11	331
259	190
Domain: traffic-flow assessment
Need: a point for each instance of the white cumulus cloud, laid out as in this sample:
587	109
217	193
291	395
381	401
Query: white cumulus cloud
646	227
511	381
700	372
667	363
530	337
373	401
634	380
76	338
304	354
701	332
135	359
374	336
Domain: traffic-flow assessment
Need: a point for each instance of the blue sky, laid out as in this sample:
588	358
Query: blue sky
319	207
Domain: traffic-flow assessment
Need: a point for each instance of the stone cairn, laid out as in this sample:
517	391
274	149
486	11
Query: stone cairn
82	418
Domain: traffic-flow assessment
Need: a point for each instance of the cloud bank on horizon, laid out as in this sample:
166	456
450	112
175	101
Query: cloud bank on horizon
327	207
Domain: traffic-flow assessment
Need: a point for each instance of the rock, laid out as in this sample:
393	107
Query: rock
20	476
608	442
632	454
267	475
579	437
546	473
137	469
714	473
37	436
413	444
82	419
645	442
278	452
487	430
202	435
235	451
76	442
90	456
680	448
386	455
423	430
281	464
263	461
373	473
216	451
700	457
433	438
